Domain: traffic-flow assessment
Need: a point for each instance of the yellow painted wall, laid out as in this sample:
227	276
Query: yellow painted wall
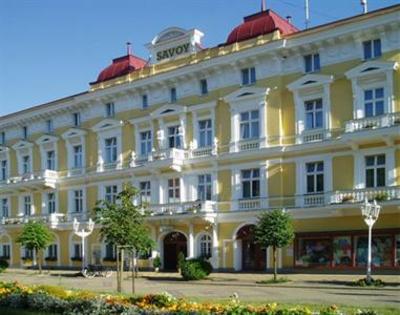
342	172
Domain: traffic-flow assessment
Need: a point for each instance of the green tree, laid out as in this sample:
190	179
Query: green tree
123	224
35	236
274	228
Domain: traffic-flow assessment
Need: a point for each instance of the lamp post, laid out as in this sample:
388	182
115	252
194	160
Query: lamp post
83	233
370	213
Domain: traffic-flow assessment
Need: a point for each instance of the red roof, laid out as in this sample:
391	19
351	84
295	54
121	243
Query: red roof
261	23
121	66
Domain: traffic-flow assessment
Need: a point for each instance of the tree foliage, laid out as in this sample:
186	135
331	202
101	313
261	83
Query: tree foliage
35	236
275	229
123	223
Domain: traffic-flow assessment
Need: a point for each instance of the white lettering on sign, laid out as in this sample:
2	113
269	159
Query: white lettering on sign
172	52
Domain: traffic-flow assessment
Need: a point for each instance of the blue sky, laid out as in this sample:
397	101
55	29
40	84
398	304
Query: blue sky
51	49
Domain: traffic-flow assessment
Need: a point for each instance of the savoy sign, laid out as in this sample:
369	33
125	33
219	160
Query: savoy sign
173	52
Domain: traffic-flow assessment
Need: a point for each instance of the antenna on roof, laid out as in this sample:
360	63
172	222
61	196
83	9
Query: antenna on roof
128	48
307	11
263	6
364	4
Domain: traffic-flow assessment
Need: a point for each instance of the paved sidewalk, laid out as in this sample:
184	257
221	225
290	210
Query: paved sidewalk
304	288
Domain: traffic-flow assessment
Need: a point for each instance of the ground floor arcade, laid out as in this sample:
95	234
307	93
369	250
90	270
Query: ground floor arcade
330	242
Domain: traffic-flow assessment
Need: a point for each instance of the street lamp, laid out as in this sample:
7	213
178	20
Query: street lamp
83	233
370	213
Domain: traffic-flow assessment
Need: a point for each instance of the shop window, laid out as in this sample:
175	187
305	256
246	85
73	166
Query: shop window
315	251
382	251
342	251
397	262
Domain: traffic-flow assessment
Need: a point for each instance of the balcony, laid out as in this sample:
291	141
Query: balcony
202	152
36	180
189	207
359	195
313	135
52	219
247	145
167	158
376	122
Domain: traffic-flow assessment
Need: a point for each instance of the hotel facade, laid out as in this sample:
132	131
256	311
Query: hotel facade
275	117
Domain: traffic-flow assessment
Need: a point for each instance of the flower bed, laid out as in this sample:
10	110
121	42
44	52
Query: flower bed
56	300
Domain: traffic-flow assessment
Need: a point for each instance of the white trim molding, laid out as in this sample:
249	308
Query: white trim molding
23	148
75	137
311	87
47	143
244	99
369	75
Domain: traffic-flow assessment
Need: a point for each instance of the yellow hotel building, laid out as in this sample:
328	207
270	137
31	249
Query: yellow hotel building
274	117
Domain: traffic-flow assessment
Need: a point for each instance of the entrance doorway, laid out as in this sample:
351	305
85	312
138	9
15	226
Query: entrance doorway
254	257
174	243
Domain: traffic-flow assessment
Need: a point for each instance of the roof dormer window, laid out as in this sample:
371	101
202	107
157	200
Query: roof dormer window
372	49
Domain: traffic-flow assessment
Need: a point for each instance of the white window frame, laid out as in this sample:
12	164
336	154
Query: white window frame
372	50
5	207
315	174
145	191
250	180
146	142
23	148
312	57
251	73
76	119
110	150
48	250
250	121
113	193
374	100
301	179
307	88
74	137
109	110
247	99
176	136
48	143
47	205
314	112
4	171
201	112
370	75
173	188
22	204
208	244
207	185
359	169
236	181
203	87
77	156
71	199
51	160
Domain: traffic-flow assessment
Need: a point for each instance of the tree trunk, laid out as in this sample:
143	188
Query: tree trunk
133	271
118	272
121	272
38	258
275	263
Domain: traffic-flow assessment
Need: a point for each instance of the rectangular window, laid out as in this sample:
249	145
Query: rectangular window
145	192
49	126
205	133
25	132
52	251
145	143
111	150
174	190
77	251
203	87
314	114
6	251
250	183
110	251
28	253
76	119
312	63
374	102
51	202
4	170
248	76
4	208
111	193
78	200
372	49
204	187
375	171
3	138
145	101
249	125
27	206
77	151
26	164
174	137
110	110
315	177
173	95
50	160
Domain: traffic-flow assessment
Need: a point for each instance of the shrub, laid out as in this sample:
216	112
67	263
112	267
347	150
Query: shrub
364	283
3	265
181	260
195	269
157	262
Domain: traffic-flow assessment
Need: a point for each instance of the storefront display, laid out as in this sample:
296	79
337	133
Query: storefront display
381	251
342	251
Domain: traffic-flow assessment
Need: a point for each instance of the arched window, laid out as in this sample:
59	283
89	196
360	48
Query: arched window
205	246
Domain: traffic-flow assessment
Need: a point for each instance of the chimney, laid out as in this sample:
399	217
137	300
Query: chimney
289	19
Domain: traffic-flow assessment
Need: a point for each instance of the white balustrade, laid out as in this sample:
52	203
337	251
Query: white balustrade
375	122
359	195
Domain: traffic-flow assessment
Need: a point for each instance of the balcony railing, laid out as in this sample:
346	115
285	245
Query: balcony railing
359	195
53	219
312	135
252	204
169	153
375	122
183	207
247	145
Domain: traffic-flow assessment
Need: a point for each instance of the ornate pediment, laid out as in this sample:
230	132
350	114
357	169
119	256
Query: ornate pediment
107	124
310	81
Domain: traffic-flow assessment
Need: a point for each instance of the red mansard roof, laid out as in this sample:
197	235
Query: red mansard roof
261	23
121	66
